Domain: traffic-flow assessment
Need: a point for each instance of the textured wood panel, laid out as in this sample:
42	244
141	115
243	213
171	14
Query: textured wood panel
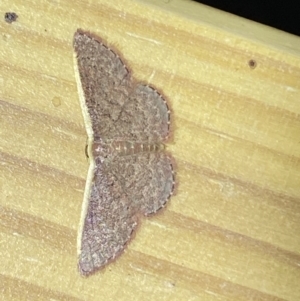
232	230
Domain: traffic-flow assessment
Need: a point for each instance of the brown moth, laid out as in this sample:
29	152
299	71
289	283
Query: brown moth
130	174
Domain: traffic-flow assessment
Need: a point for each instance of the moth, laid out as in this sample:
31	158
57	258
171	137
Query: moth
130	175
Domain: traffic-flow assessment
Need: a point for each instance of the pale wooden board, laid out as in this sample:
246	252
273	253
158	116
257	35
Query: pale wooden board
232	230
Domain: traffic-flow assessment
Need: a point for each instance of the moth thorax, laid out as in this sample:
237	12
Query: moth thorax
124	148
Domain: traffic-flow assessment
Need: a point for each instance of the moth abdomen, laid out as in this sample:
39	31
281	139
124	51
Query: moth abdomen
125	148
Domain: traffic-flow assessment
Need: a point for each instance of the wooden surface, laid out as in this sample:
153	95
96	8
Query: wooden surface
232	232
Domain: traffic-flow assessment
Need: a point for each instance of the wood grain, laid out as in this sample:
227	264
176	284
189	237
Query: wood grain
232	230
